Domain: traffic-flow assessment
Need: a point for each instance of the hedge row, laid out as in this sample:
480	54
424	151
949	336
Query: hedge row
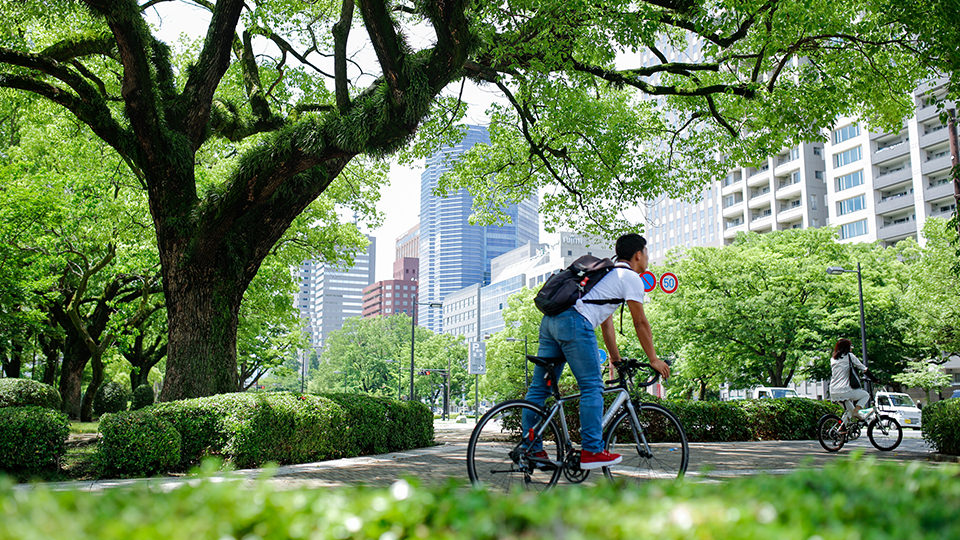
251	429
32	438
785	419
846	499
941	425
23	392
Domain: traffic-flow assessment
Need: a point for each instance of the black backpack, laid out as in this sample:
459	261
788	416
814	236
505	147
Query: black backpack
564	288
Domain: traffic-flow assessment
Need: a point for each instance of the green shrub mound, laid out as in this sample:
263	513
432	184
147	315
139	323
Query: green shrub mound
847	499
23	392
253	428
711	421
142	397
32	438
137	443
111	397
941	426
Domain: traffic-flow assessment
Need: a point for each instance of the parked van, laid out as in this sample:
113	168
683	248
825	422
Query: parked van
901	407
773	392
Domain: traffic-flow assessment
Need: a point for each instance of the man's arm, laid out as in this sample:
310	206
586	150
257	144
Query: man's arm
610	340
645	335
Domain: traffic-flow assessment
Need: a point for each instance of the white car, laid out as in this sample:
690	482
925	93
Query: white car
773	392
899	406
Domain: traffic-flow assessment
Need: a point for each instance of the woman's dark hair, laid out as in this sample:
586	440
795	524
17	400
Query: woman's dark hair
628	245
841	348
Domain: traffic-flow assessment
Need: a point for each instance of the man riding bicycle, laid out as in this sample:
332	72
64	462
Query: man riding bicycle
571	335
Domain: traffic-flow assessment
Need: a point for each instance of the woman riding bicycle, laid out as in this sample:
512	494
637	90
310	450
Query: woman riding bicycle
844	386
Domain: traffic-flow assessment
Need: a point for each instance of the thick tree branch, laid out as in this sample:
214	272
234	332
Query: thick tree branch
388	45
206	74
627	79
341	31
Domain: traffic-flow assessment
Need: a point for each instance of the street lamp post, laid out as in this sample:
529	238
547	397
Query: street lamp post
413	336
526	363
836	270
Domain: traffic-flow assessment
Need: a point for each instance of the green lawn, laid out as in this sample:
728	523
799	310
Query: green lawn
84	427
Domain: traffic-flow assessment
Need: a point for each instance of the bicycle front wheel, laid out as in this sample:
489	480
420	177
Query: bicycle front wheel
829	433
661	452
500	457
885	433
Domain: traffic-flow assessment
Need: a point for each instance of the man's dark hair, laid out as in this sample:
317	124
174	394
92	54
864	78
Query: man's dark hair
628	245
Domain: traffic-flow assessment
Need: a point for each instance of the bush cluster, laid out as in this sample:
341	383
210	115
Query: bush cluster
111	397
846	499
142	397
251	429
941	425
137	443
32	438
23	392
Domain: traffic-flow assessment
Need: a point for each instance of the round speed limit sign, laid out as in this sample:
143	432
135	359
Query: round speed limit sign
668	283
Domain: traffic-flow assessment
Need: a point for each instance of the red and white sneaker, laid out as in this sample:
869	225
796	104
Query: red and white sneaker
590	460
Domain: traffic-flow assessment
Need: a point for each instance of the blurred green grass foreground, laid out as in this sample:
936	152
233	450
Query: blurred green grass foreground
853	498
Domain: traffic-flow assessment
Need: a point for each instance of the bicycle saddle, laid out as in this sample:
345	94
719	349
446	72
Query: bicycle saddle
545	362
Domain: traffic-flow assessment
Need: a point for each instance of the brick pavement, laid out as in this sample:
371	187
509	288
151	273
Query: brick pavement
446	461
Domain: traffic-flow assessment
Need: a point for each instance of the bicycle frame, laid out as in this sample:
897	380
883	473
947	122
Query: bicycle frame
622	399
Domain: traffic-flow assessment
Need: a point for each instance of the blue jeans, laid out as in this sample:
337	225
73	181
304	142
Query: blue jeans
570	335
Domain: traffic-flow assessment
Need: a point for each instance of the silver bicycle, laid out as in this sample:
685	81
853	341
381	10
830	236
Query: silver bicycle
649	436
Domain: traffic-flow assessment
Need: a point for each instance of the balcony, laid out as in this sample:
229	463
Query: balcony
897	202
894	177
932	138
939	191
732	210
894	151
760	201
898	231
927	113
787	191
759	179
788	213
731	188
731	232
937	164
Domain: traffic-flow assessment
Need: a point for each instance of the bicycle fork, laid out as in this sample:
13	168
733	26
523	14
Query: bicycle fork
623	400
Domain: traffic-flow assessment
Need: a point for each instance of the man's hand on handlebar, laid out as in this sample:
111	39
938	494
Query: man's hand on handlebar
662	368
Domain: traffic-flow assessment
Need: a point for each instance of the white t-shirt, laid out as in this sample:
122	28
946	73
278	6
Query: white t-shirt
621	282
840	374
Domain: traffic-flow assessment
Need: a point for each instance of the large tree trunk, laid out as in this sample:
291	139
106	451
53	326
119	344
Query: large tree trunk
75	358
51	353
86	406
202	315
13	363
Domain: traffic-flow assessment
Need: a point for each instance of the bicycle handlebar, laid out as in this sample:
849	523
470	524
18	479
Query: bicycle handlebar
627	367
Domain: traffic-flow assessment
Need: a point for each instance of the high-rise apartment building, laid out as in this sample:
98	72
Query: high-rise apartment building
453	253
330	293
872	185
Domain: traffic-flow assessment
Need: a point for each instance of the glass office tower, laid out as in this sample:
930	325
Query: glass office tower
453	253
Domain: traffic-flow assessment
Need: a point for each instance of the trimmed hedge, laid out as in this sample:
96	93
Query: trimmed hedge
846	499
941	425
23	392
142	397
111	397
785	419
137	443
253	428
32	438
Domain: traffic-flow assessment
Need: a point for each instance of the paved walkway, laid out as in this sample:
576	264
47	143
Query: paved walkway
445	461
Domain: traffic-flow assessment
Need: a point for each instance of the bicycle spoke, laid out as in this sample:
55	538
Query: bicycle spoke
664	455
498	457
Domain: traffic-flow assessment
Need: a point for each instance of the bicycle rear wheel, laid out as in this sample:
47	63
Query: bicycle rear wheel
885	433
498	456
665	454
828	433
